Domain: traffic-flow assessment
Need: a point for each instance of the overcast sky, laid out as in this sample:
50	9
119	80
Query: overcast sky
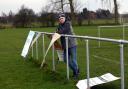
36	5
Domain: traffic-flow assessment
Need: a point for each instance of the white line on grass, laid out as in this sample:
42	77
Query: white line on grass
109	60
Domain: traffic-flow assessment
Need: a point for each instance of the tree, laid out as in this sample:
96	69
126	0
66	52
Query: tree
47	17
101	13
10	17
87	15
72	10
66	6
79	19
59	5
116	11
24	17
116	14
3	18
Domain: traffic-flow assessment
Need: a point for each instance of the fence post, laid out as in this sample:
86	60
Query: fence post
53	57
99	35
43	44
37	49
32	51
123	32
66	38
87	63
122	64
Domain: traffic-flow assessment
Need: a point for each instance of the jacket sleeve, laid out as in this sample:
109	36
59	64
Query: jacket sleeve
64	29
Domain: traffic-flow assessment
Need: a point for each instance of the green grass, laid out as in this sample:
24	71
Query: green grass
17	73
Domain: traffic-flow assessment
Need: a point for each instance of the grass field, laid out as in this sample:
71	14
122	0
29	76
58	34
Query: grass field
17	73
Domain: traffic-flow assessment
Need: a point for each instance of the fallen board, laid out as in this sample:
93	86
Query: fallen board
108	77
27	44
60	55
55	37
58	48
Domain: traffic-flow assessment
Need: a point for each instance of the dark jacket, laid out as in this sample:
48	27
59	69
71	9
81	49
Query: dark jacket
67	29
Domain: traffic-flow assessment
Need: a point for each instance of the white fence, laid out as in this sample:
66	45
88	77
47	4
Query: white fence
87	39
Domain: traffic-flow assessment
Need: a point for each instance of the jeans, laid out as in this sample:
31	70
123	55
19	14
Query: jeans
72	58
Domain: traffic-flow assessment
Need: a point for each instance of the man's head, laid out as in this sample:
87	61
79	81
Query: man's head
61	18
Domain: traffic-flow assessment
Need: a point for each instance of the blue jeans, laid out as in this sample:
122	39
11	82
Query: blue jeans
72	58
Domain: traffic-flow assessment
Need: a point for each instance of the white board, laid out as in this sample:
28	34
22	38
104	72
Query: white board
60	54
27	43
108	77
55	37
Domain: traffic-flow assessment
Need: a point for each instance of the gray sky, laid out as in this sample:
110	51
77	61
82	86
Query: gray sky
36	5
95	4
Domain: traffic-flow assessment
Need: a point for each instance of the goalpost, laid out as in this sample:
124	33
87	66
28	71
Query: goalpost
123	26
124	18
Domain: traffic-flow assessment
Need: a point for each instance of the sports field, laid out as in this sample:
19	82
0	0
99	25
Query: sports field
17	73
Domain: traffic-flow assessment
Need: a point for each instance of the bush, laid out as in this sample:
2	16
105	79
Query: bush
5	26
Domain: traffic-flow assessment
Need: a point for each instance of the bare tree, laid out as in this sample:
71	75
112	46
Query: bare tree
24	17
116	14
78	6
71	6
10	17
116	11
47	15
47	8
67	6
4	18
58	5
72	9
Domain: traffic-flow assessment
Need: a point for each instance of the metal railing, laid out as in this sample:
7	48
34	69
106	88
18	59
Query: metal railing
87	38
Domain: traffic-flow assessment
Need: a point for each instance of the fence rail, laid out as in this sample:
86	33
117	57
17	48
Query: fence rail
90	38
87	38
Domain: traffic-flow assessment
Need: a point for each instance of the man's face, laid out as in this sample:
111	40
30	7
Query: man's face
61	20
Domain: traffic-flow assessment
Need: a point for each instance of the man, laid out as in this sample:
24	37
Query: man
65	27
